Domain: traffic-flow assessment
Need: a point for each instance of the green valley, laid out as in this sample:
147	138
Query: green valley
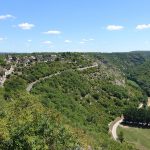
71	99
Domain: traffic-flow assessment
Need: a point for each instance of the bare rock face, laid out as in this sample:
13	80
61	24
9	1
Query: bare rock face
2	71
120	82
4	75
89	148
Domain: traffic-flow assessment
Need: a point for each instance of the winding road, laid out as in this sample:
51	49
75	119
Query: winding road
84	68
30	86
114	129
118	121
115	124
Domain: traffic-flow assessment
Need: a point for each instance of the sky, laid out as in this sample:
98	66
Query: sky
74	25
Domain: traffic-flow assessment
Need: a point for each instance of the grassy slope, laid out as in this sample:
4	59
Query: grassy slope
140	137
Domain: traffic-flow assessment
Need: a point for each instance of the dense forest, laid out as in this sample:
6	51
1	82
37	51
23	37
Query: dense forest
74	101
137	117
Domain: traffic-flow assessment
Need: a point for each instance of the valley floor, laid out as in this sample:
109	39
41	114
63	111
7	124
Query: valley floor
139	136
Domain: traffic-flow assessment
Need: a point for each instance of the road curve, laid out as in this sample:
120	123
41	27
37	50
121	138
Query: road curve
30	86
140	105
114	129
114	125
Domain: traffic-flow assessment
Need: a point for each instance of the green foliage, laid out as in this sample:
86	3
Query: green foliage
13	86
73	108
88	104
121	136
137	117
132	83
28	125
141	75
116	91
42	69
2	61
135	65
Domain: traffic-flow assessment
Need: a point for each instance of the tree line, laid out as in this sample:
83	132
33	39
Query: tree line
137	117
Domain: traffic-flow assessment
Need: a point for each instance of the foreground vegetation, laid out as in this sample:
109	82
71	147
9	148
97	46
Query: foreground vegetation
71	110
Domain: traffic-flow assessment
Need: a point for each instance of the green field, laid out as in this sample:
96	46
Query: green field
140	137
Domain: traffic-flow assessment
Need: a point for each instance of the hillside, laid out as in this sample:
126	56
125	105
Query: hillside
135	65
73	100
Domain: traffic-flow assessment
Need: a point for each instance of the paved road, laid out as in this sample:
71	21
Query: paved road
30	86
93	66
140	105
148	103
114	129
117	123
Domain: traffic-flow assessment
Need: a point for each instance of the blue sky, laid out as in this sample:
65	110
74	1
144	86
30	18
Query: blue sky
74	25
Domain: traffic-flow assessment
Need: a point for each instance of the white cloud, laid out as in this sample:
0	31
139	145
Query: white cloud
142	26
114	27
91	39
47	42
53	32
4	17
26	26
67	41
85	40
2	38
29	40
146	42
82	42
